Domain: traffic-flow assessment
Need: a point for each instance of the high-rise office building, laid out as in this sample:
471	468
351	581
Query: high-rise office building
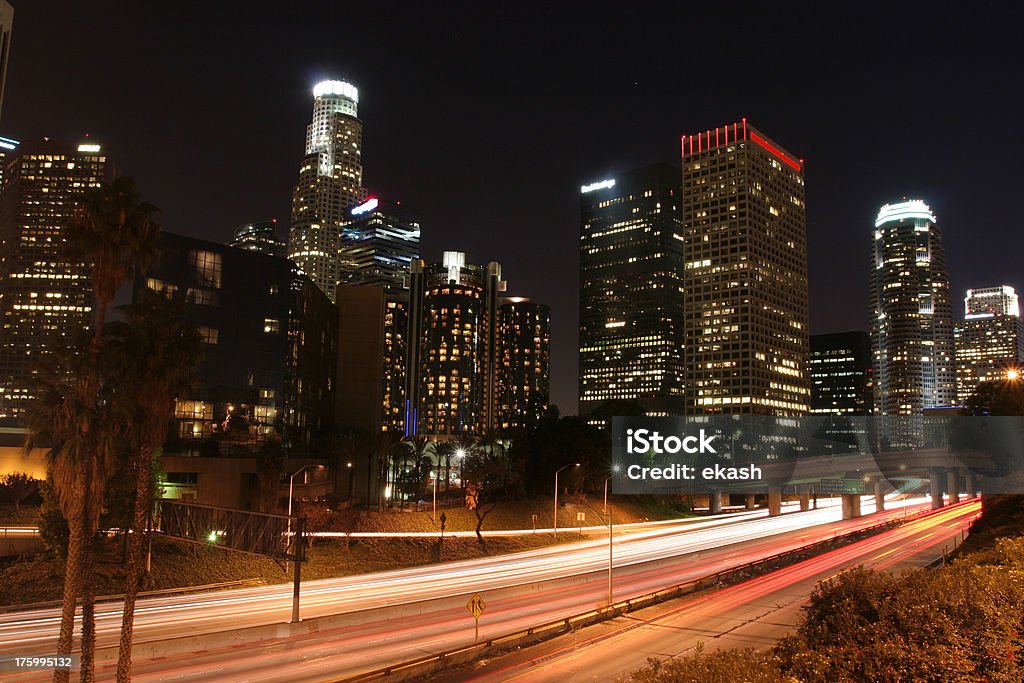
841	378
6	21
330	181
745	274
911	314
8	150
631	302
259	237
44	296
378	242
524	330
989	340
269	344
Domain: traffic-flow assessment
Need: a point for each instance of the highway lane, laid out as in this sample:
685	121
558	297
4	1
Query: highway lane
755	613
185	615
330	653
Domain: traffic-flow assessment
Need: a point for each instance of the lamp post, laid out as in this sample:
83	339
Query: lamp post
433	517
608	512
348	466
461	455
554	519
291	490
298	569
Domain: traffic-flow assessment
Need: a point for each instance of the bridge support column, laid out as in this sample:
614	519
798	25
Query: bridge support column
748	501
774	501
805	501
970	484
715	502
879	497
952	485
851	505
935	486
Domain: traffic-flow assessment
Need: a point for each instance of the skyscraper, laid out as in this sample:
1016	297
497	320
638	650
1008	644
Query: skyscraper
911	315
378	242
259	237
745	274
631	302
330	181
841	378
989	340
44	296
524	330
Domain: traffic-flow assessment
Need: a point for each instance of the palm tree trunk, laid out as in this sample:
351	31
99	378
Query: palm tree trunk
142	504
72	589
88	607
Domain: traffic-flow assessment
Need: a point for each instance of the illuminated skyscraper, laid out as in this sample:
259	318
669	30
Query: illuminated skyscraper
44	297
330	181
911	315
631	302
259	237
524	363
989	340
378	242
745	276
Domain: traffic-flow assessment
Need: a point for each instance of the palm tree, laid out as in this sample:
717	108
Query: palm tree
114	231
76	428
418	448
153	355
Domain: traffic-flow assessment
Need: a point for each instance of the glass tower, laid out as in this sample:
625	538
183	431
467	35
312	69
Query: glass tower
631	302
330	181
911	315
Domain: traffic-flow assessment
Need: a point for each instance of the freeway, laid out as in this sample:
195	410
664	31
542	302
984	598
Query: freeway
645	561
753	614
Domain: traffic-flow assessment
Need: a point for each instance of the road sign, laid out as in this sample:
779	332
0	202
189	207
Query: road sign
841	486
476	605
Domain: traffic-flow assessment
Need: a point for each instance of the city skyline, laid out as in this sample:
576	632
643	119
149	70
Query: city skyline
494	179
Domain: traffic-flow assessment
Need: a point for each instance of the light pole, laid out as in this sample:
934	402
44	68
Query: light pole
554	519
433	517
297	567
608	512
291	490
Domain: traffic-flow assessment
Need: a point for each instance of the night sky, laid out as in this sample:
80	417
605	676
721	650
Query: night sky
488	120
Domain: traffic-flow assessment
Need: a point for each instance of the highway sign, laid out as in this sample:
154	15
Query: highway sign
476	605
841	486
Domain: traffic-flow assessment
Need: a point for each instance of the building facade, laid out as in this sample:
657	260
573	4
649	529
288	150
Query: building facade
378	243
744	237
989	340
330	181
631	301
524	364
269	346
259	237
45	297
841	377
911	314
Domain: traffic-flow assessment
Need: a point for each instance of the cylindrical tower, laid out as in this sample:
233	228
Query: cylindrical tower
330	180
911	313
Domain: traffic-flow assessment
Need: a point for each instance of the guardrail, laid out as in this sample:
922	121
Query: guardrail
19	532
142	594
528	636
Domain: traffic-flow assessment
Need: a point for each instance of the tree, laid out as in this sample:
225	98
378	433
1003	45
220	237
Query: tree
153	354
18	486
998	398
114	231
488	480
74	424
269	467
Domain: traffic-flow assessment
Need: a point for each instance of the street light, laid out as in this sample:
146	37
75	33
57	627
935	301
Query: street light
554	521
297	568
608	511
461	455
291	490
